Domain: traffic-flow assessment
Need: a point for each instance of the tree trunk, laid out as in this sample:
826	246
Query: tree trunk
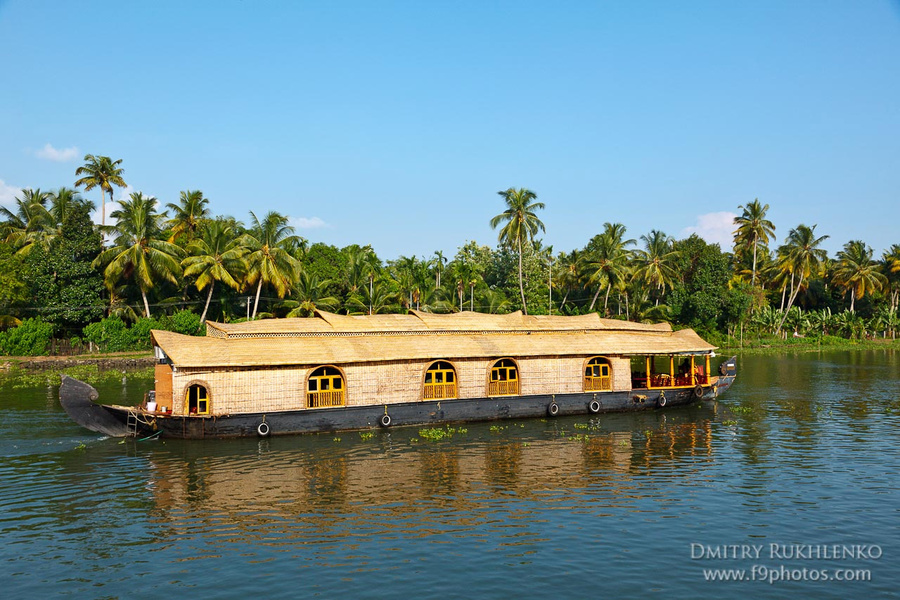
146	304
208	298
606	299
521	285
783	290
256	304
790	302
852	298
753	280
597	295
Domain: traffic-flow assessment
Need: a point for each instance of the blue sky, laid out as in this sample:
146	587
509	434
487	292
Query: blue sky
395	123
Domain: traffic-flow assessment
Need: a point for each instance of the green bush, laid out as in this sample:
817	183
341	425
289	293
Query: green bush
110	335
185	321
31	338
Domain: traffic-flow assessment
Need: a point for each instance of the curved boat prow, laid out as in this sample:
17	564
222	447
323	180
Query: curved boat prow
728	371
77	398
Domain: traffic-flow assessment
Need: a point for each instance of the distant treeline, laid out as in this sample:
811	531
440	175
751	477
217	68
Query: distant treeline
174	266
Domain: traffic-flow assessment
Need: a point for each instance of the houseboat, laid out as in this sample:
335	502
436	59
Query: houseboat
338	372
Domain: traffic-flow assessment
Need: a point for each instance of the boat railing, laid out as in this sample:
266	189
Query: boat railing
503	388
602	383
439	391
326	398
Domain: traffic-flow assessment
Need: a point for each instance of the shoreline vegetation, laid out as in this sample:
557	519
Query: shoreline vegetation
71	287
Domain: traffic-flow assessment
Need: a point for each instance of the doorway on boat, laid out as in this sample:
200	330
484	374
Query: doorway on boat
197	399
440	381
504	378
669	371
325	387
597	375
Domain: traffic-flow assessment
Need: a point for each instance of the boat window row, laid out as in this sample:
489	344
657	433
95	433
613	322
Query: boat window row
325	386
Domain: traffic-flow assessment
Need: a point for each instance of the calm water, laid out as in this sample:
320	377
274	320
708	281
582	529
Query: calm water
802	450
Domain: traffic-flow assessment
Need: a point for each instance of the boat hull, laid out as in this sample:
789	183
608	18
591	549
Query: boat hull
114	419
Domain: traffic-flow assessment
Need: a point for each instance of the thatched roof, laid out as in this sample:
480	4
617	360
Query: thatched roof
340	339
421	322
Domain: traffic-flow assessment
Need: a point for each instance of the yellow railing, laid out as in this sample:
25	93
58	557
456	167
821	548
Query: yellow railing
438	391
597	384
320	399
503	388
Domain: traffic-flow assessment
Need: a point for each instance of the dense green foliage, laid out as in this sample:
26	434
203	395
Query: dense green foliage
179	267
31	338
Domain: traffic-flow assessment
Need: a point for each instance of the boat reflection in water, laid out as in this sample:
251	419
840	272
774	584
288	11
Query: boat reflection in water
275	491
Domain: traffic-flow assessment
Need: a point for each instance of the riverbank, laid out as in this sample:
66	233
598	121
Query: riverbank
770	345
112	360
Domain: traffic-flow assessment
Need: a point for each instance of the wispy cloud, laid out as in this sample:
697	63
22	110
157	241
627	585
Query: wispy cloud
715	228
307	222
48	152
8	193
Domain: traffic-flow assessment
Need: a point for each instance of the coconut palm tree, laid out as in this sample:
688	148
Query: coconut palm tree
310	293
102	172
653	264
753	229
521	225
890	265
270	262
804	257
608	263
215	255
137	251
63	201
857	272
439	262
188	214
31	223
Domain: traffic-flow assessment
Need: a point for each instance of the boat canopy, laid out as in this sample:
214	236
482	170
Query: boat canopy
328	338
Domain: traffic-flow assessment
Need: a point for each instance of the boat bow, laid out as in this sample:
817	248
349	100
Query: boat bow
77	398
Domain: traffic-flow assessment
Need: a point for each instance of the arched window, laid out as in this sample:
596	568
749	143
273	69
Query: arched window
197	399
325	387
597	376
504	378
440	381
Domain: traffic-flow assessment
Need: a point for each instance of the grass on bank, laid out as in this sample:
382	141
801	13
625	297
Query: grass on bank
770	344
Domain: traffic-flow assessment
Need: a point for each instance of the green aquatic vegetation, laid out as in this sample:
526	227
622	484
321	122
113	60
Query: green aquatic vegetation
741	410
729	422
337	439
582	426
366	435
18	378
434	434
497	428
581	437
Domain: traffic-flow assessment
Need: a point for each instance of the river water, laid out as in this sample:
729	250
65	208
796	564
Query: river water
800	455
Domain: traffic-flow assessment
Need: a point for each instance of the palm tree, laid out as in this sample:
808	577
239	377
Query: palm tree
857	272
30	224
188	214
216	255
310	294
804	256
102	172
653	264
890	264
753	228
270	242
137	249
568	273
63	201
521	224
608	263
438	261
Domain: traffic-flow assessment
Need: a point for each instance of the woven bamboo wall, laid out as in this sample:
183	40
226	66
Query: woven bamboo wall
278	389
